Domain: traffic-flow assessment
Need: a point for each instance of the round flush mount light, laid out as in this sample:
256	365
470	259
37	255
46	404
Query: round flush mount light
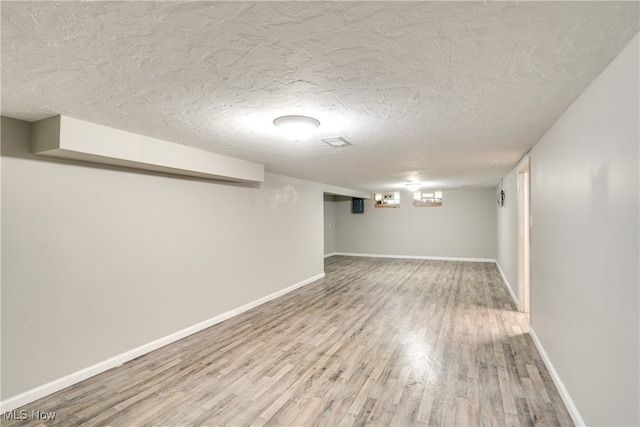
297	128
412	185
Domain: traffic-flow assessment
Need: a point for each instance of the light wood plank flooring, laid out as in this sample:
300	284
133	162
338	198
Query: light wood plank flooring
377	342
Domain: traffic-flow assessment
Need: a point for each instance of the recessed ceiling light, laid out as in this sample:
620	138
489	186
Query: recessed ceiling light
336	141
297	128
500	159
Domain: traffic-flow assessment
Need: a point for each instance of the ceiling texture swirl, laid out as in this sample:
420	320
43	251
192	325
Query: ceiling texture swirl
427	91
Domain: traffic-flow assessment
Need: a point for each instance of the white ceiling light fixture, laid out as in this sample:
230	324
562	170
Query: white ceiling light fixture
413	186
297	128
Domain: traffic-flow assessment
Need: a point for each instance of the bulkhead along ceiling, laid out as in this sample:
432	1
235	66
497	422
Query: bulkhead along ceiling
426	91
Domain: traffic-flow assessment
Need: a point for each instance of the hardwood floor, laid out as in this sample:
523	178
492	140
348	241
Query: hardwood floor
377	342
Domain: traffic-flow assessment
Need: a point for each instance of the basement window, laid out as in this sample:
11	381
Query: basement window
386	200
425	200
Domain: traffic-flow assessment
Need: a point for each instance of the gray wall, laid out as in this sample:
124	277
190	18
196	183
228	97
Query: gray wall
507	228
98	260
585	293
463	227
329	224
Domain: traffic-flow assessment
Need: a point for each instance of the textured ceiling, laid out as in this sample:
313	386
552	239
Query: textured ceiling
431	91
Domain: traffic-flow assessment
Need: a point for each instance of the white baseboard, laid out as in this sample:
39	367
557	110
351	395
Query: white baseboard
81	375
331	254
434	258
507	284
564	394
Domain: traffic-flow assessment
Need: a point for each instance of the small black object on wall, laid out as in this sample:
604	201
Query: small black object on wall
357	205
501	196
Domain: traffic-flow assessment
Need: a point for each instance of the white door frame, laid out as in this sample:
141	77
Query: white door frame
524	275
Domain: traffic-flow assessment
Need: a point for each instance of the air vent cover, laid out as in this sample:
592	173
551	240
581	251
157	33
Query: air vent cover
336	141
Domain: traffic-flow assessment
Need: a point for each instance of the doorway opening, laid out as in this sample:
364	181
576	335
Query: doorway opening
524	220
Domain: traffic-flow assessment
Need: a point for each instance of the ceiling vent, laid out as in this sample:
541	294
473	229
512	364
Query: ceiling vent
336	141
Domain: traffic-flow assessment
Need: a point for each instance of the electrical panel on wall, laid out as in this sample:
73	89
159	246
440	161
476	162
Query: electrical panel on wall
357	205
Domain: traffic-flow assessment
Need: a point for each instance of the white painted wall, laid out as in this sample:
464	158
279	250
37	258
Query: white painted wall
507	229
585	279
329	224
463	227
98	260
